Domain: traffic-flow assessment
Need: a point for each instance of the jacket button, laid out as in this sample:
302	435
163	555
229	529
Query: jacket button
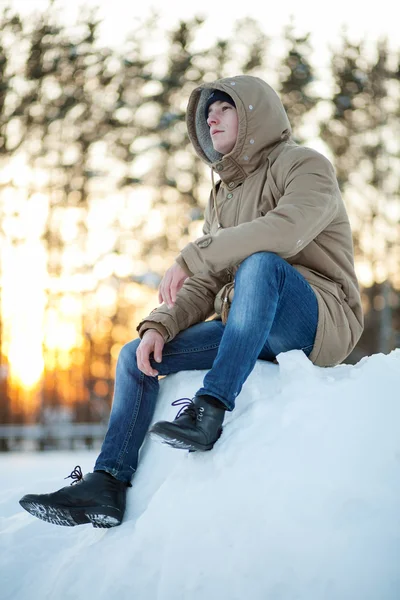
229	196
204	243
231	184
220	167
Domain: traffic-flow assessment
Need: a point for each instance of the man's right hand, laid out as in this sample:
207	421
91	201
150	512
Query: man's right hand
151	342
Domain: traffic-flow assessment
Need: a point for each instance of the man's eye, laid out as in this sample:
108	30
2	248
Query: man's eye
227	107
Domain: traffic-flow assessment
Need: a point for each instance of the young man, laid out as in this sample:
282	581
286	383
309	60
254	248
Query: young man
276	265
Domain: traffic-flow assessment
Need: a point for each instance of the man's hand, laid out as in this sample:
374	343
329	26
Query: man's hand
152	342
171	284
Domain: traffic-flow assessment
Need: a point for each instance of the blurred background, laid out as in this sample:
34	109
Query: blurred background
100	188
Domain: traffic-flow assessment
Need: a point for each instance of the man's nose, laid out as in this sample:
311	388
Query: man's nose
212	118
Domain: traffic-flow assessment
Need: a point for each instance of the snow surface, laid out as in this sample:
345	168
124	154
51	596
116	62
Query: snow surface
299	500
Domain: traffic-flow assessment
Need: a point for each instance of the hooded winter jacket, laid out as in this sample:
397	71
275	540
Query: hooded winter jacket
274	196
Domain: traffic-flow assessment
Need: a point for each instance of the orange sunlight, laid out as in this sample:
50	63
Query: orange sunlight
23	303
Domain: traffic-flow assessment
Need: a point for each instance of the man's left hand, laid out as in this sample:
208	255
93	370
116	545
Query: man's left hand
170	285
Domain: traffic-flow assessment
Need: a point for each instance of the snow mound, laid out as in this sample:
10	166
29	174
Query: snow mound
299	499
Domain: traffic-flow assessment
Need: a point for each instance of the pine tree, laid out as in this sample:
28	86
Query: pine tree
296	79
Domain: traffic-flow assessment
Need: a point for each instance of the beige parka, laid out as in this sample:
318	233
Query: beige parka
274	196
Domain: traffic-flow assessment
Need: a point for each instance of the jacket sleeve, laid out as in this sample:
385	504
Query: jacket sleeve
194	302
309	203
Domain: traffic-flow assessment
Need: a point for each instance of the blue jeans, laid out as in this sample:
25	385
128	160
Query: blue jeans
274	310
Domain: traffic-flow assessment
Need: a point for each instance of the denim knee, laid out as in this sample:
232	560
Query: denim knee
268	261
127	355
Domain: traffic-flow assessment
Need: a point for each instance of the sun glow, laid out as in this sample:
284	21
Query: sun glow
23	303
42	315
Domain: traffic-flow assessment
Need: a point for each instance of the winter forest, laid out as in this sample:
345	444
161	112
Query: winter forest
100	188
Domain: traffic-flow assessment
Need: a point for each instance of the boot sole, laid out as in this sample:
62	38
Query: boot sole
70	516
182	443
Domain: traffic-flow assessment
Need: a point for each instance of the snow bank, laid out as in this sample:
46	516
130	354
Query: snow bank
299	499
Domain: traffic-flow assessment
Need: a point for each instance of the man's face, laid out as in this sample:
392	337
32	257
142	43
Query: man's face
223	123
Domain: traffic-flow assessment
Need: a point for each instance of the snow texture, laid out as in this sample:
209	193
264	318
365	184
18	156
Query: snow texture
298	500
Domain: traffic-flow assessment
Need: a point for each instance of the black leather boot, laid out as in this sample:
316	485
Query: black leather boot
96	498
197	426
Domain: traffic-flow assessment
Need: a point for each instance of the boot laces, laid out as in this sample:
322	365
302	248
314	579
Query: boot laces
75	475
188	408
